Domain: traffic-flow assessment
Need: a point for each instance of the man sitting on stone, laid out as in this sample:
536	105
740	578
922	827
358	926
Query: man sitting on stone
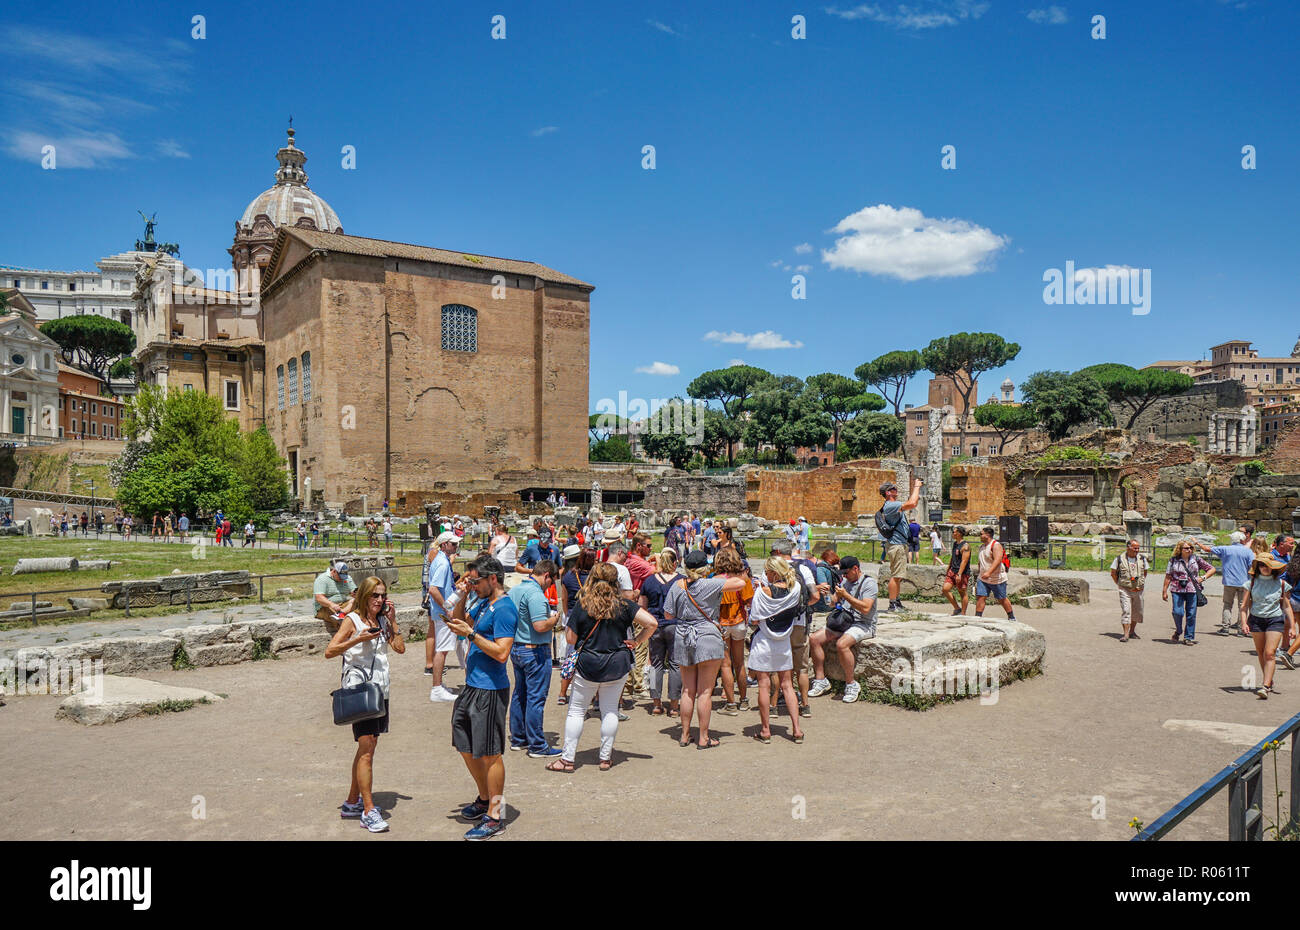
856	597
333	590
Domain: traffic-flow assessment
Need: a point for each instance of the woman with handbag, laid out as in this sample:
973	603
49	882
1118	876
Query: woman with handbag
694	603
775	608
733	611
600	625
1184	580
364	639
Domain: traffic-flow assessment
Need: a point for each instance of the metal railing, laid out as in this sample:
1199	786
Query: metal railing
188	590
1244	779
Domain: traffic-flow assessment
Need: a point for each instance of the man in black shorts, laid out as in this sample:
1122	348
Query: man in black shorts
478	718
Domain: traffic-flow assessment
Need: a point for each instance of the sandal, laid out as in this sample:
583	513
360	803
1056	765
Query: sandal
559	765
672	712
763	739
605	764
657	710
709	745
561	699
799	738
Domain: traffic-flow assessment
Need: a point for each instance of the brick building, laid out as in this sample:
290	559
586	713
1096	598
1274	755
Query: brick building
84	410
396	368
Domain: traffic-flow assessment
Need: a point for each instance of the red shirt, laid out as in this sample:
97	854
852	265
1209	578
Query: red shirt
638	568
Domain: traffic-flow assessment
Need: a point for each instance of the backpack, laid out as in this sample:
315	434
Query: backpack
837	577
885	528
807	596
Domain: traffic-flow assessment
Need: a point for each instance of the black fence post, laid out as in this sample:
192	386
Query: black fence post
126	603
33	608
260	579
189	589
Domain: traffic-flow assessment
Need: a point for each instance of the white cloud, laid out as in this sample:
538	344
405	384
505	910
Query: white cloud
764	340
903	243
803	268
734	362
545	130
662	27
73	151
775	263
659	368
935	14
170	148
803	248
1053	15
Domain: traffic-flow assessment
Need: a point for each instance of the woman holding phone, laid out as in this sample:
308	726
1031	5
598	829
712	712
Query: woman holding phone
364	638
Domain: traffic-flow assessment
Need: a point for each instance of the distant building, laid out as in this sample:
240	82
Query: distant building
980	440
29	382
56	294
85	409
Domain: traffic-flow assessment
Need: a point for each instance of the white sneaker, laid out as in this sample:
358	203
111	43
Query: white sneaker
851	692
819	687
440	695
374	821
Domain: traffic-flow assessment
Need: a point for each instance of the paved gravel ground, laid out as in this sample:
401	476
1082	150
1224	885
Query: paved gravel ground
1087	738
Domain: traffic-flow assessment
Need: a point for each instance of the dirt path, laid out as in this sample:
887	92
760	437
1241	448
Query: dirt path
268	762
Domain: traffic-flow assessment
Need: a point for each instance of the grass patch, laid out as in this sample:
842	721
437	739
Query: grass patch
418	635
181	659
262	649
171	706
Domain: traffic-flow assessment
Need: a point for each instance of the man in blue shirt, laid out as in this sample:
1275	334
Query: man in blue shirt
531	657
1235	559
892	524
534	552
478	718
804	531
439	640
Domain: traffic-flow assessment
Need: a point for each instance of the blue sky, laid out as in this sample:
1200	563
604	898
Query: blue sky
1117	152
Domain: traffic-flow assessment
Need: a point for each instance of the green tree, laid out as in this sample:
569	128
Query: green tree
841	398
90	341
263	471
870	436
670	432
890	373
731	388
963	357
720	434
785	415
611	449
123	368
1009	422
1137	389
1064	401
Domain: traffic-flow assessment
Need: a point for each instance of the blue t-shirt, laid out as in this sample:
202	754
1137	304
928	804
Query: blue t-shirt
495	620
655	591
900	534
534	553
530	602
1266	596
440	578
1235	560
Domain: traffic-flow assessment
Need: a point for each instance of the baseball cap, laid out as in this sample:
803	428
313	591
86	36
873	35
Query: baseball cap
887	487
849	561
696	559
446	536
793	521
341	568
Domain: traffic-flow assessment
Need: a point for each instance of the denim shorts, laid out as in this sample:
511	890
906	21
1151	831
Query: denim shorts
996	591
1267	624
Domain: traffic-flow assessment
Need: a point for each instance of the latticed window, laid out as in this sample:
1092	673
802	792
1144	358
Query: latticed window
306	377
293	381
279	384
459	328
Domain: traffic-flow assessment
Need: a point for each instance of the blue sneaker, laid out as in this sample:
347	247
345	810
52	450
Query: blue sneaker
474	811
487	829
352	810
549	752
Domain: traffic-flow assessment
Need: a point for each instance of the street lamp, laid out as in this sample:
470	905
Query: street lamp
90	482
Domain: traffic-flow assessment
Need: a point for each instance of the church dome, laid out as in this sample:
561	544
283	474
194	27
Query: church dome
291	202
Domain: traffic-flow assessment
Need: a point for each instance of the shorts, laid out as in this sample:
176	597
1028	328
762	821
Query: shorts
996	591
897	560
914	546
372	727
444	640
960	583
1267	624
799	647
858	632
478	721
708	646
735	631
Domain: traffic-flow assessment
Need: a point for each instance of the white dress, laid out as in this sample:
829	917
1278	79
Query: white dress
769	651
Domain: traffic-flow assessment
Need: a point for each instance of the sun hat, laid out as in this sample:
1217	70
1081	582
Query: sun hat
571	552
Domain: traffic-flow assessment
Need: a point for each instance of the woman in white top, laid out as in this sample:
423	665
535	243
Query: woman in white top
504	548
773	611
936	545
363	639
